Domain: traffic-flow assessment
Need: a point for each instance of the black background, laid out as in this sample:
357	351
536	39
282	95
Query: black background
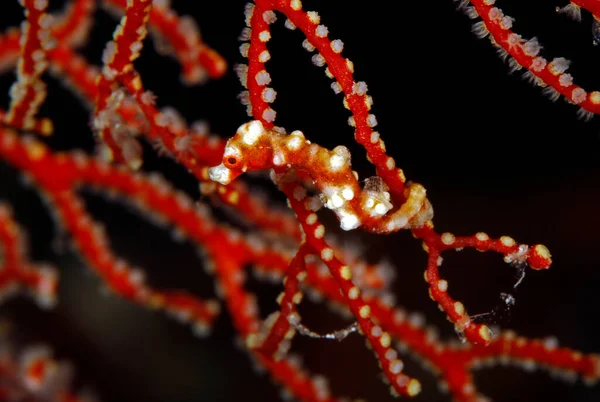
494	154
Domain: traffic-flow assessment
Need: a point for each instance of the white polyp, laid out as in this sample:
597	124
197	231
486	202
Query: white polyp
495	14
318	60
241	71
578	95
269	17
480	30
532	47
514	40
538	64
448	238
416	320
40	5
506	22
321	31
396	366
314	17
245	35
337	46
471	12
571	10
337	88
289	25
264	36
307	45
313	203
327	254
268	95
390	163
269	115
550	343
565	80
109	52
360	88
262	77
374	137
136	47
371	120
559	65
244	97
248	11
299	193
376	331
244	49
264	56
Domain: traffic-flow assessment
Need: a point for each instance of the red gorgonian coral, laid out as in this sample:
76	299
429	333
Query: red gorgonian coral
252	234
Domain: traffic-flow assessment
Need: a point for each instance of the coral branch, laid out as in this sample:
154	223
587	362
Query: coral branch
243	231
16	271
28	92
